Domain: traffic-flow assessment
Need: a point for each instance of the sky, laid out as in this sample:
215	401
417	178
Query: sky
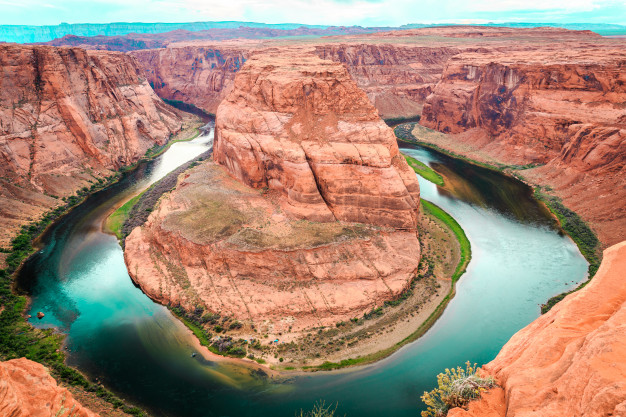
324	12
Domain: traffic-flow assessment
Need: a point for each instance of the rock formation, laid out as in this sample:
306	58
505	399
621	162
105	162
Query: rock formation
299	125
570	361
310	221
562	109
67	118
28	390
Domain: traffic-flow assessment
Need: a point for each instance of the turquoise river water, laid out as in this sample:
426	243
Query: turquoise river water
141	352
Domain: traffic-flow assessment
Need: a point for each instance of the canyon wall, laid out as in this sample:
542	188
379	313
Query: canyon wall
67	118
396	78
311	217
397	69
195	74
562	109
570	361
28	390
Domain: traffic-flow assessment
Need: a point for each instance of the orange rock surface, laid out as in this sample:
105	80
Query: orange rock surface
68	117
28	390
570	361
312	218
562	109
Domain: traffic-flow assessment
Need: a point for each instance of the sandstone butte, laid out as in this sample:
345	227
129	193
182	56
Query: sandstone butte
307	217
564	110
68	117
28	390
570	361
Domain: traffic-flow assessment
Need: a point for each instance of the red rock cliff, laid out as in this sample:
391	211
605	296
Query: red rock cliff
564	109
28	390
300	125
68	117
570	361
196	74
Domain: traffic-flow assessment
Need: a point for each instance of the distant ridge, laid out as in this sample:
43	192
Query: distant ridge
31	34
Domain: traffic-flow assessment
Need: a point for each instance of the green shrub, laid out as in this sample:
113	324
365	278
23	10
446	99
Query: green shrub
456	388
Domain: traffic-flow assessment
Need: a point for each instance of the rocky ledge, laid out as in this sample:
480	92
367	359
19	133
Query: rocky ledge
309	218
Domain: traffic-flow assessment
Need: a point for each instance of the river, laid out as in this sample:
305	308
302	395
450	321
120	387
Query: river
142	353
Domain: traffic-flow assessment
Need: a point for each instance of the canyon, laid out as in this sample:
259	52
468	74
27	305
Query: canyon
28	390
307	217
570	360
68	119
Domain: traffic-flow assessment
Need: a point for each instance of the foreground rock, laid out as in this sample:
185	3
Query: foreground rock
560	109
68	118
570	361
28	390
318	224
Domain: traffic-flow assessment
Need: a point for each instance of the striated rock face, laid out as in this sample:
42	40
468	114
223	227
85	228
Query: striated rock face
570	361
198	75
299	125
28	390
69	117
564	109
309	220
397	79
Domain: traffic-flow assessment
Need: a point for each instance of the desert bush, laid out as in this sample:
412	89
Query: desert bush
319	410
456	388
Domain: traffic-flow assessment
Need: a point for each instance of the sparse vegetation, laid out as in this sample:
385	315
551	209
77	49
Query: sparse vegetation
581	234
424	170
320	409
456	387
466	250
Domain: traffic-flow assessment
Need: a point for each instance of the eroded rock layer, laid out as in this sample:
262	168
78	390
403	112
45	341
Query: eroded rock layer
69	117
565	110
28	390
570	361
310	219
299	125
